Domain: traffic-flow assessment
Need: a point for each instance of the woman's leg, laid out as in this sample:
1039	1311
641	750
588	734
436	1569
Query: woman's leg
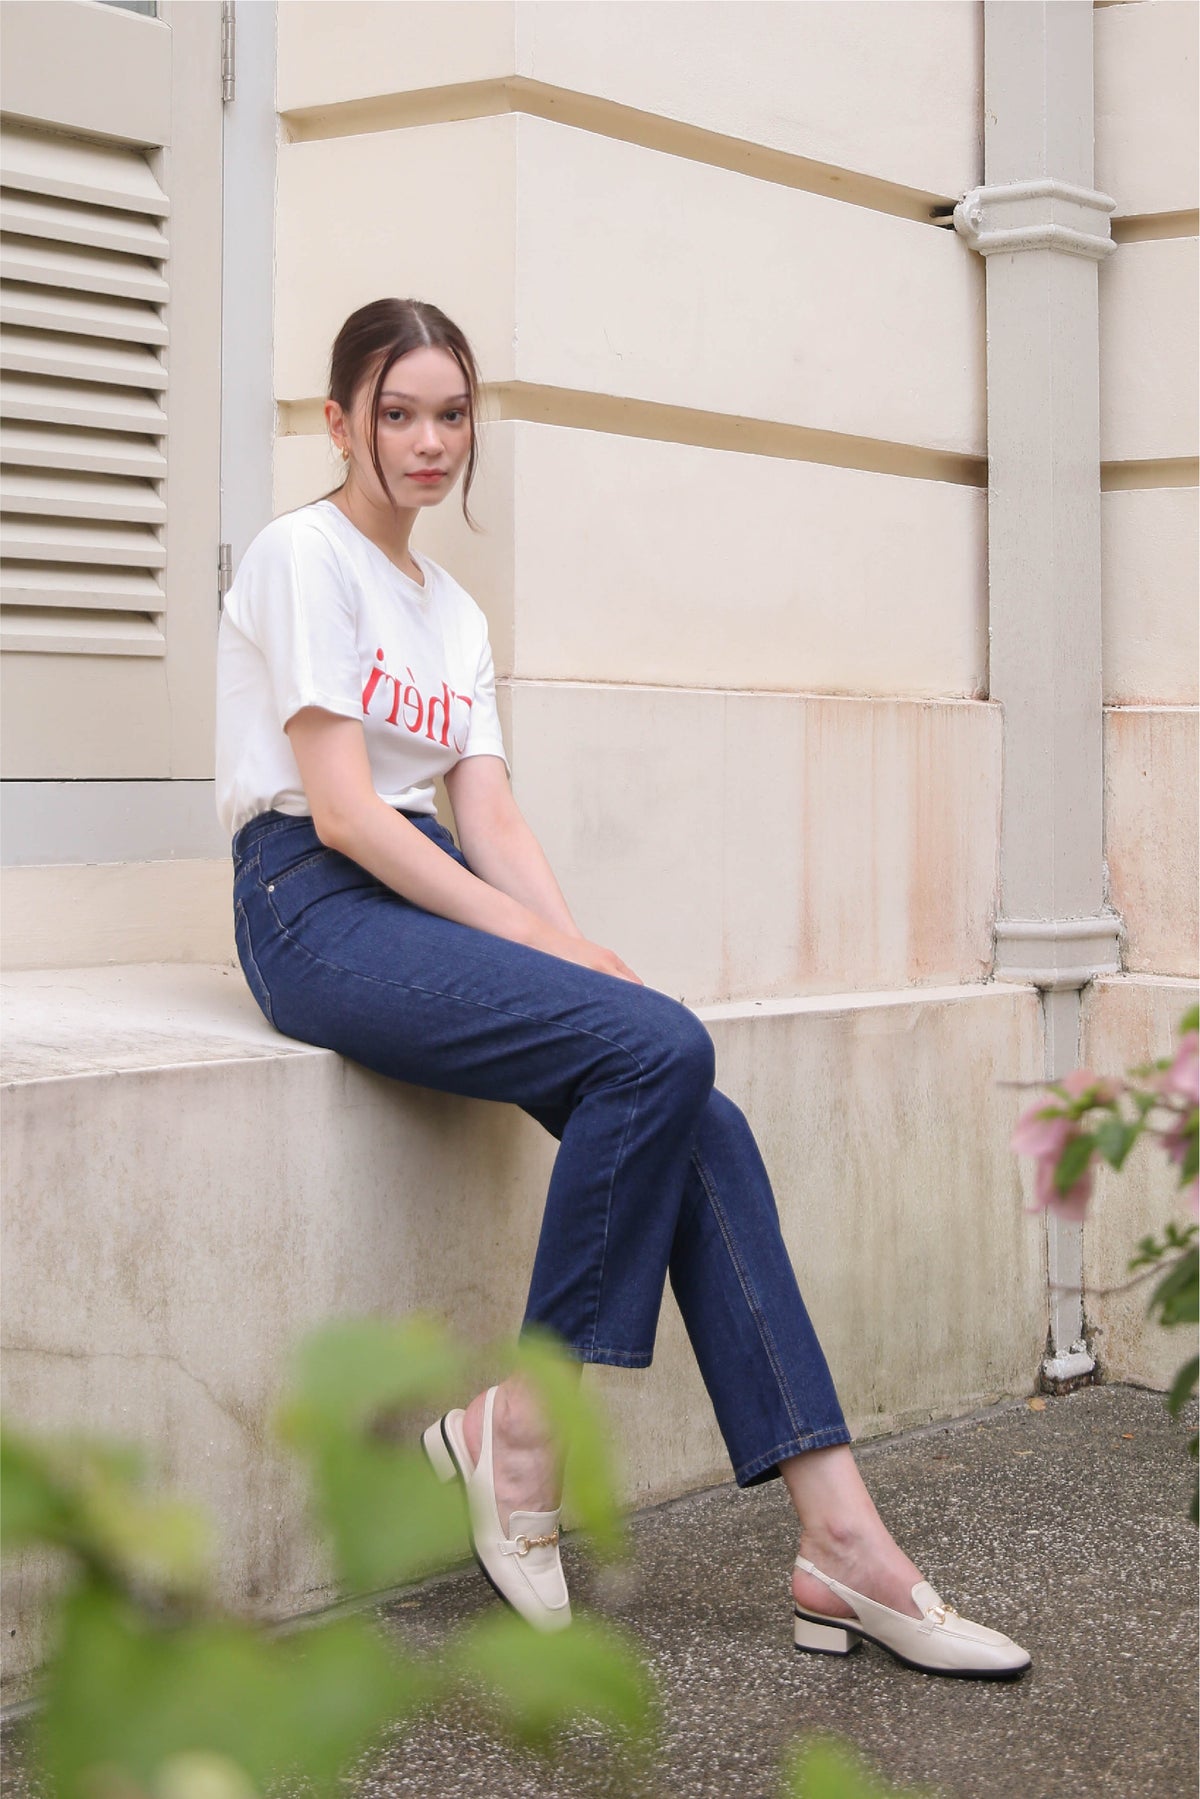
339	960
766	1372
763	1366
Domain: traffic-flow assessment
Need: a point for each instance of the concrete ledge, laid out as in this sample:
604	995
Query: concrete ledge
188	1192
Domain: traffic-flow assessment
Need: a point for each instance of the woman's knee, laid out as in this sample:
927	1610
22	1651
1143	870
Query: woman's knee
684	1051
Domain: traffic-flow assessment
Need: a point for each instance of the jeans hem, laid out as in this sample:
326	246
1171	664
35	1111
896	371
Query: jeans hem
611	1358
766	1466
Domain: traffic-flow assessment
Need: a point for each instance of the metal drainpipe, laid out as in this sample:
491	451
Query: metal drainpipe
1042	230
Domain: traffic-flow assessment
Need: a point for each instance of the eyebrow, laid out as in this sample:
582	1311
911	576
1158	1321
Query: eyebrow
391	394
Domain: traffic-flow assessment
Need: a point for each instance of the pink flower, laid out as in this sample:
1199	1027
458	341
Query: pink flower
1082	1080
1183	1076
1045	1137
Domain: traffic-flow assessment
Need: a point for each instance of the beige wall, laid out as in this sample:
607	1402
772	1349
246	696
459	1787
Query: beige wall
1147	159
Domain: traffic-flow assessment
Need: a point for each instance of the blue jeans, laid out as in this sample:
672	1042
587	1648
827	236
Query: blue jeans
656	1174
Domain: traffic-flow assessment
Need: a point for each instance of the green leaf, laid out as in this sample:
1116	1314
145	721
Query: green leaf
1183	1386
1190	1021
826	1769
126	1697
34	1508
349	1372
1177	1296
1149	1251
1074	1159
1115	1138
83	1495
387	1516
578	1423
539	1681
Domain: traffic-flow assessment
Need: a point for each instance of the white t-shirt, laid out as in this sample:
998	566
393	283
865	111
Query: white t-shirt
319	616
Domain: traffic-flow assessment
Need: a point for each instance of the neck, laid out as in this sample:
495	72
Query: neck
389	528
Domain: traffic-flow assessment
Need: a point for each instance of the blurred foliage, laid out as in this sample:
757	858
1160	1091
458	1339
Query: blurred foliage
825	1769
153	1693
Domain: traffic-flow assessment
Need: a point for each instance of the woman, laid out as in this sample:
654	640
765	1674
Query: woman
353	673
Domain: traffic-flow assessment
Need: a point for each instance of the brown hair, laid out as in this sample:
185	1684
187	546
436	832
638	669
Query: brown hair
369	343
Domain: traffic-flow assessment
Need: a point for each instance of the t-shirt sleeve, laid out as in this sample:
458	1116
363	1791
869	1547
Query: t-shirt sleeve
485	738
294	603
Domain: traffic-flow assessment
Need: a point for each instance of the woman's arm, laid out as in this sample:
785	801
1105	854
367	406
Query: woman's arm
499	845
349	816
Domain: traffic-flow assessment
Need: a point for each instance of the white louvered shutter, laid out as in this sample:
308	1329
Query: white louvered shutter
83	380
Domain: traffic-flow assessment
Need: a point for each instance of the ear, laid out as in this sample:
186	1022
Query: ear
335	422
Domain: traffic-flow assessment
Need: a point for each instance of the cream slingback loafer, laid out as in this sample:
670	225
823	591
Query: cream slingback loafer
938	1642
523	1569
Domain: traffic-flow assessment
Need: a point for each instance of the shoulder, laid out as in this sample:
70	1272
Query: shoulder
298	555
306	528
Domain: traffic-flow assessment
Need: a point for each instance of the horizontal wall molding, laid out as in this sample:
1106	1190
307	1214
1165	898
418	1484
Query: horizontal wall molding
801	696
1167	471
609	118
1141	228
622	417
57	823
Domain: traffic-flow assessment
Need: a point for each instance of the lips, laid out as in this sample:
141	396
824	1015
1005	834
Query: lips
430	475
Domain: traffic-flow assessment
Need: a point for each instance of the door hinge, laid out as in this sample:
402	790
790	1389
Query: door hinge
224	572
228	51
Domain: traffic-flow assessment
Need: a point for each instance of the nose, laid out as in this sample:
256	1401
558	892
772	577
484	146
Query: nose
429	437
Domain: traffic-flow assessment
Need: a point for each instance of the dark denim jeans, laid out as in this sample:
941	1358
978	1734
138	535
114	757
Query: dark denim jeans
656	1173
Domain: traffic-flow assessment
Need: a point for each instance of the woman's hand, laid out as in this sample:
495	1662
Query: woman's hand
524	905
588	955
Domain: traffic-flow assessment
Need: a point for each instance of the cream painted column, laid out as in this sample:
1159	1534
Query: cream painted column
1043	229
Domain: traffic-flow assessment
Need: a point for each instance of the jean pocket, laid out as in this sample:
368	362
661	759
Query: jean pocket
250	968
322	875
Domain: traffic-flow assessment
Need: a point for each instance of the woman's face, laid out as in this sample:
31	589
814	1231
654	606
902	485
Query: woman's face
424	429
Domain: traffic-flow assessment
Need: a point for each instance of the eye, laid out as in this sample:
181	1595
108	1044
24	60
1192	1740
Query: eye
455	413
394	414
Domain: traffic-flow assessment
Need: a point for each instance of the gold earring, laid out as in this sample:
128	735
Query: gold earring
345	454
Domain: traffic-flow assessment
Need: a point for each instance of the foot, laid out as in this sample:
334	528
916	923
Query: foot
868	1561
524	1466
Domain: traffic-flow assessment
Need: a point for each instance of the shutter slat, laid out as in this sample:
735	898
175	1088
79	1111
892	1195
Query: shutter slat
105	589
96	452
79	359
64	222
82	386
53	309
79	169
65	540
91	271
81	634
75	403
81	496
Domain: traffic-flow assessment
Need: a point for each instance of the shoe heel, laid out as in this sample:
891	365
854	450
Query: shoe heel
440	1459
823	1639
